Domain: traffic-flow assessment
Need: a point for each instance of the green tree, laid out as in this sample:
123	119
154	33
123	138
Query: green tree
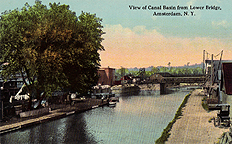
123	71
51	48
163	69
155	70
148	73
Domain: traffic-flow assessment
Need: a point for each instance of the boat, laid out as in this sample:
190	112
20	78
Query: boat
102	92
127	88
96	106
113	101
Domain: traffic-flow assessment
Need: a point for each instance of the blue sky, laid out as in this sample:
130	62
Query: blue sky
136	38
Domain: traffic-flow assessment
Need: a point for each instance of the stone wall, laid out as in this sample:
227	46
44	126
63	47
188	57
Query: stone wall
32	113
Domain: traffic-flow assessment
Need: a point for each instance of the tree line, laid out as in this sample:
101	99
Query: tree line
172	70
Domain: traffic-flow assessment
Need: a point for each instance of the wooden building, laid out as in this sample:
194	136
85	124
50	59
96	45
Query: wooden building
227	78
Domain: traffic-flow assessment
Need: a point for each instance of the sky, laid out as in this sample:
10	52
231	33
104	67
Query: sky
136	35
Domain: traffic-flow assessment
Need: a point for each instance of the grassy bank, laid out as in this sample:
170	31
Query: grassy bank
204	104
166	131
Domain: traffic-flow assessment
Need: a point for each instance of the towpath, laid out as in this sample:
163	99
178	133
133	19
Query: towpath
194	127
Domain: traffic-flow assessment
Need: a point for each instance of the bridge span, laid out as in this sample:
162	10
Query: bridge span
174	80
177	80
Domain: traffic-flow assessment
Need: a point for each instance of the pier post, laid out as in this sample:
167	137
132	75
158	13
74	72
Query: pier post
162	88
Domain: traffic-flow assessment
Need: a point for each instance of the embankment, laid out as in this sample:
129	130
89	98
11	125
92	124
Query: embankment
58	111
167	130
194	126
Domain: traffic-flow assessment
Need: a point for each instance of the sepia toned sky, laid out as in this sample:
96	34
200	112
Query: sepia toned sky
137	38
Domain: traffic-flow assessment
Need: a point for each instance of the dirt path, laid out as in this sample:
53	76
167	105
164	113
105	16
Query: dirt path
193	127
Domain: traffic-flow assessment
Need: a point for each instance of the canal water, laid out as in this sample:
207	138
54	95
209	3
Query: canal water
135	119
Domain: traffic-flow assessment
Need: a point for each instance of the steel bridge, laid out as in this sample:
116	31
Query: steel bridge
177	80
164	81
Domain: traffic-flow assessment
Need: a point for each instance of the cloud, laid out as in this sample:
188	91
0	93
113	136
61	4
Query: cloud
191	2
140	47
222	23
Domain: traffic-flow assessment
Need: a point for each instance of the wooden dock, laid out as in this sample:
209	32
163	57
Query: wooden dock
53	115
30	122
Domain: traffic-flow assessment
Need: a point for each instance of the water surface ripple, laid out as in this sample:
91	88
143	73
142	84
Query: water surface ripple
135	119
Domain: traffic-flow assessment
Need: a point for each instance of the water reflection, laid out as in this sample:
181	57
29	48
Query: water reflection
71	129
136	119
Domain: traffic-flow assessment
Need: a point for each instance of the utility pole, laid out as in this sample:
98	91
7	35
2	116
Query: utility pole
203	69
212	71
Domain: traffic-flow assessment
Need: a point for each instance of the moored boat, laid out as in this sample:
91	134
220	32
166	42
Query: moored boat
112	103
114	99
127	88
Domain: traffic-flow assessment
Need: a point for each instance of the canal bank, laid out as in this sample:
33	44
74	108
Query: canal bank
194	126
135	119
56	112
166	131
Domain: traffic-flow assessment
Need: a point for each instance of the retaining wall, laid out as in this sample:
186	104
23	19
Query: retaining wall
32	113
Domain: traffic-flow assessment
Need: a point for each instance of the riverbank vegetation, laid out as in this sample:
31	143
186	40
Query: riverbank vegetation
204	104
50	48
166	131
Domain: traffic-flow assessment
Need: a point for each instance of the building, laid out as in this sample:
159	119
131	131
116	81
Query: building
216	68
106	76
219	82
10	87
126	80
226	80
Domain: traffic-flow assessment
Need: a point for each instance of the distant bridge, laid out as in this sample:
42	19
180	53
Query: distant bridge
175	80
178	80
171	79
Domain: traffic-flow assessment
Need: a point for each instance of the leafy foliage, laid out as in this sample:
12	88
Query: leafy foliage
171	70
51	48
